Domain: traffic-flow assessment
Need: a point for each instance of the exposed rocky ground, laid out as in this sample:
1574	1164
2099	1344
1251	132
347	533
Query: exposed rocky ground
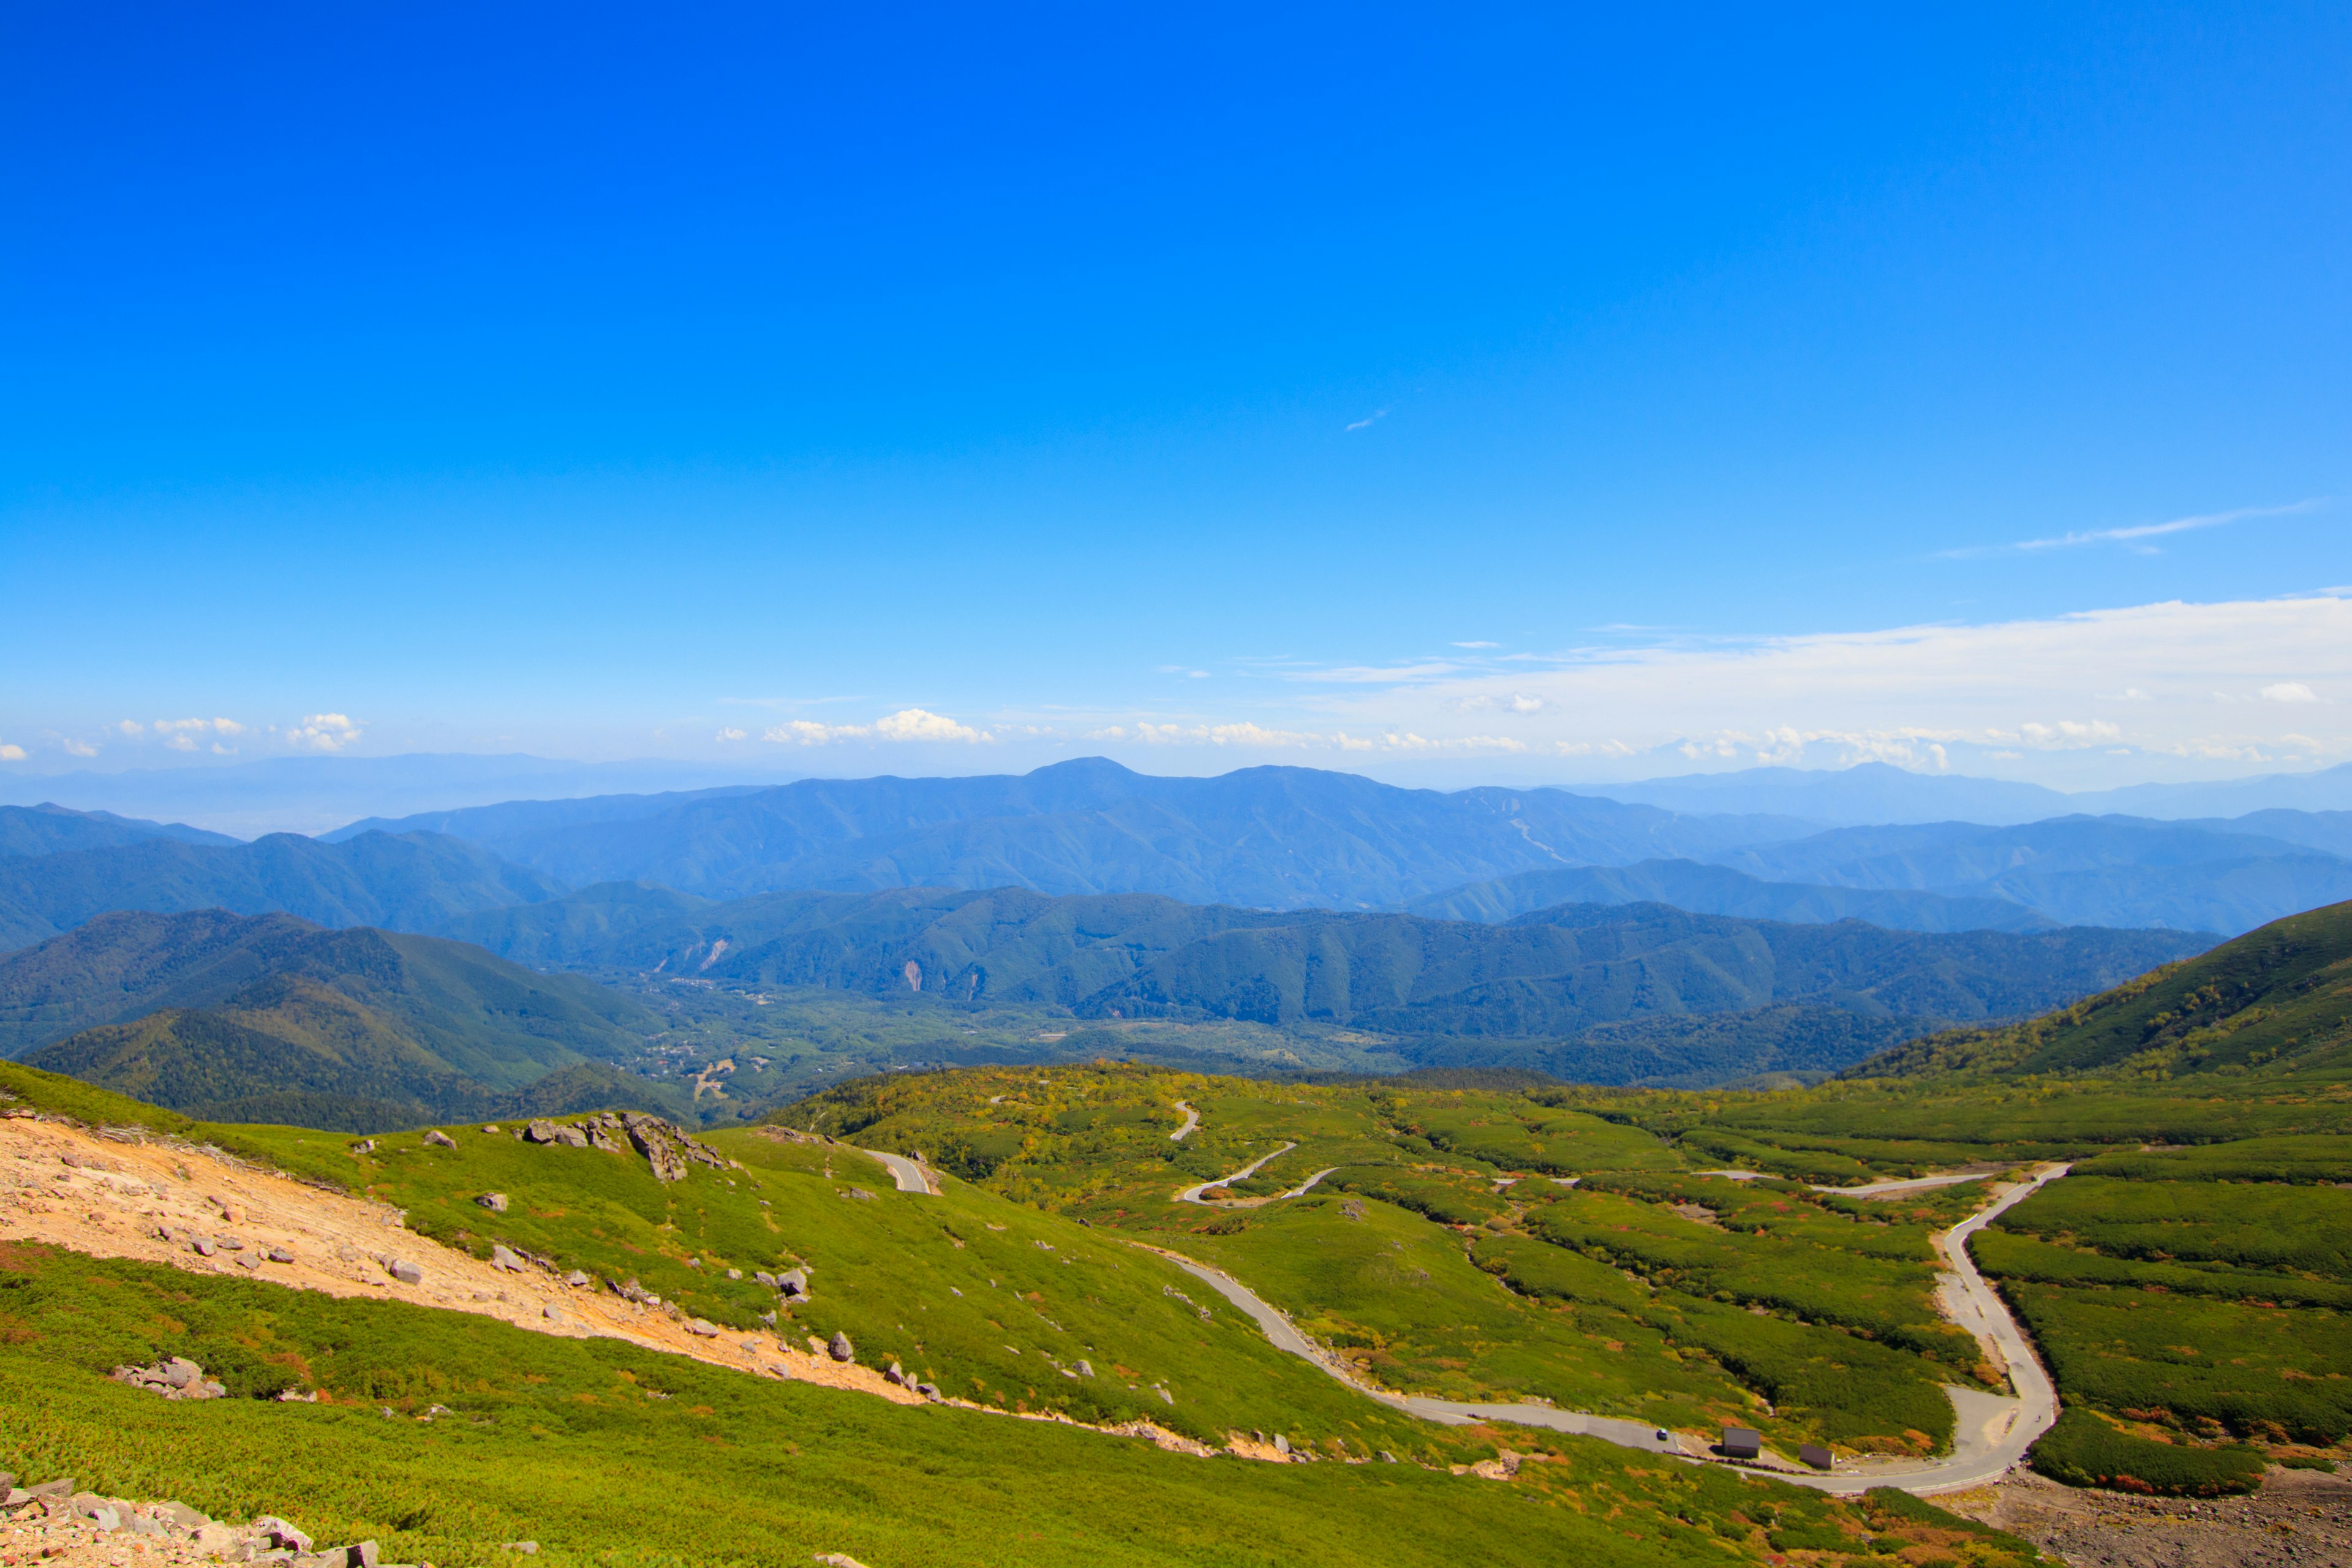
2300	1518
53	1523
128	1197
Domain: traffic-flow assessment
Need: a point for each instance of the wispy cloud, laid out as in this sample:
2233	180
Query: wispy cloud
11	754
1477	645
2138	532
1371	419
2290	691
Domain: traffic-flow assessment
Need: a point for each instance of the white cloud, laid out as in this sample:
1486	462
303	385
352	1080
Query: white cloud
198	726
129	726
2149	677
80	748
1373	418
1477	645
323	732
907	724
2290	691
9	753
730	735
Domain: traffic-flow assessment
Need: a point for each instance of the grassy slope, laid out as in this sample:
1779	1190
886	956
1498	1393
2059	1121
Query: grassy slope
602	1452
1399	1268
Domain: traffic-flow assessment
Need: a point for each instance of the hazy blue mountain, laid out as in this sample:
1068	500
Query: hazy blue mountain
1273	838
414	881
49	829
2330	831
2106	870
2327	789
1552	974
492	826
313	794
272	1019
1867	793
1720	890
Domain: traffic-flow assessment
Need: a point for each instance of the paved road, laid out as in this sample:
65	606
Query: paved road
1307	1186
1990	1434
1193	1195
1871	1189
910	1177
1191	1119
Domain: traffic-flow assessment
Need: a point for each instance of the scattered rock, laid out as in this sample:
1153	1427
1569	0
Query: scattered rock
663	1146
280	1255
551	1314
405	1271
930	1391
494	1202
279	1532
440	1139
1386	1457
540	1131
1085	1368
839	1347
365	1146
793	1282
173	1377
704	1328
503	1257
528	1548
492	1128
1281	1443
837	1560
577	1279
895	1375
859	1193
734	1274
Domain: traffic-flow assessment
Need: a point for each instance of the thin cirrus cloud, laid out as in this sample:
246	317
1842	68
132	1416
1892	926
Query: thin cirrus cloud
1369	420
2136	532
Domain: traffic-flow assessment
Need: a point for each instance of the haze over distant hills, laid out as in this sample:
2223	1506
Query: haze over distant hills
1876	793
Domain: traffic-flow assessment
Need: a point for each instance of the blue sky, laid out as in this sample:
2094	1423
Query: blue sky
1539	396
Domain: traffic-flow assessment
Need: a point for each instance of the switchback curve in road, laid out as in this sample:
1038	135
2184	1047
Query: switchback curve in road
1991	1433
1193	1195
910	1176
1191	1119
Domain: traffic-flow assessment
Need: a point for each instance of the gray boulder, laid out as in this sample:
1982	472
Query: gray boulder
793	1282
494	1202
440	1139
503	1257
839	1347
540	1131
405	1271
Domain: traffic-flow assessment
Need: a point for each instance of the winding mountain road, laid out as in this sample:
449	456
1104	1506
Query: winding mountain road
1191	1119
910	1176
1193	1195
1991	1433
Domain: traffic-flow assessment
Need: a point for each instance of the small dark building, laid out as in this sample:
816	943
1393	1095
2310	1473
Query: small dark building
1741	1443
1815	1454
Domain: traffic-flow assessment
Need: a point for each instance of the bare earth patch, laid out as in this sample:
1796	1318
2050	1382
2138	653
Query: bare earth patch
2299	1520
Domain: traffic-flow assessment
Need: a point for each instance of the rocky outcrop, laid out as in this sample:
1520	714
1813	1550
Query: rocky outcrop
166	1531
173	1377
839	1347
665	1146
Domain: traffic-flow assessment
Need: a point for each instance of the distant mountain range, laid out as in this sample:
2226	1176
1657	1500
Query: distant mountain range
1262	838
52	829
272	1018
1268	838
2103	871
412	881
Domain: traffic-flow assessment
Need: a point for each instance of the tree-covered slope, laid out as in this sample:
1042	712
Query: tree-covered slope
1720	890
2276	1001
270	1019
408	882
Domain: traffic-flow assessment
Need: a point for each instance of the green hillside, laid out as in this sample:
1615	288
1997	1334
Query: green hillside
270	1019
2276	1002
1753	995
600	1452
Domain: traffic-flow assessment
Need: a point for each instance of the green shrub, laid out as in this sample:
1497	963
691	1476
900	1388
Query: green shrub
2082	1450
